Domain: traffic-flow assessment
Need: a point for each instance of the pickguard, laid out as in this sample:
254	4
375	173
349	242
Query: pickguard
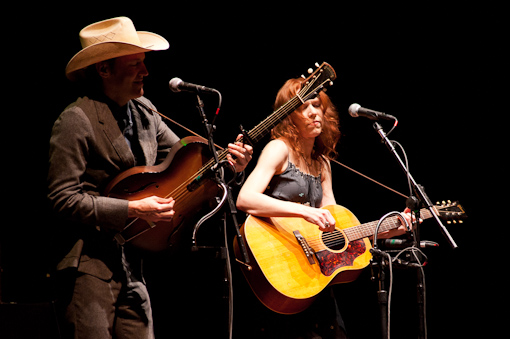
329	262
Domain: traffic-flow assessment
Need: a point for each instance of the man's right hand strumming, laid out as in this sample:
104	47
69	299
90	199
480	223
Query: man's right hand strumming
152	208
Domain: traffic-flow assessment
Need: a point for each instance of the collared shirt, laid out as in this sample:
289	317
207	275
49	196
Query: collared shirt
124	119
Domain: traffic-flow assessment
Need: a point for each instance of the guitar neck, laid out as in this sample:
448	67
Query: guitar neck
368	229
263	128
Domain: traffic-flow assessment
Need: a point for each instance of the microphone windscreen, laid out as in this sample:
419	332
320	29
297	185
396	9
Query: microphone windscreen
353	110
174	84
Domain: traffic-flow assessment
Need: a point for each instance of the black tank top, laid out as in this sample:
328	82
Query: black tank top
296	186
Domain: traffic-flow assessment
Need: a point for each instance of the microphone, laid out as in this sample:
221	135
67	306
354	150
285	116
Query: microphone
177	85
356	110
403	243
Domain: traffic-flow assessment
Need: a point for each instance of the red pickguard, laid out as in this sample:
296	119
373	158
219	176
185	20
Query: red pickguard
331	261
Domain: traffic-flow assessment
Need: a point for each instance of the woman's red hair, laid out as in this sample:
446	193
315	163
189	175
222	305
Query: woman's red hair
325	143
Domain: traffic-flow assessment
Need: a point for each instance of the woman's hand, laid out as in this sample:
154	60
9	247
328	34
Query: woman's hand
401	229
320	217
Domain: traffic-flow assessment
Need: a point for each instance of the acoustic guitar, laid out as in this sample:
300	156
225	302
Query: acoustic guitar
292	261
185	175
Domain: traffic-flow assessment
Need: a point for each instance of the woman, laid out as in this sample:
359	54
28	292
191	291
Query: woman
293	179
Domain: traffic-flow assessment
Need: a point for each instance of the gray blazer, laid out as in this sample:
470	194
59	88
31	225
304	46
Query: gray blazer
87	150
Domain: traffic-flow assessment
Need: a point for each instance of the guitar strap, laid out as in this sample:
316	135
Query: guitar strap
221	148
176	123
371	179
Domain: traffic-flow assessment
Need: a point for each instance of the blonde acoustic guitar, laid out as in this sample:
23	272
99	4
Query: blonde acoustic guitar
292	261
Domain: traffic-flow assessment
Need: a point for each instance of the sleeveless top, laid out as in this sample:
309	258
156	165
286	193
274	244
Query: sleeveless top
296	186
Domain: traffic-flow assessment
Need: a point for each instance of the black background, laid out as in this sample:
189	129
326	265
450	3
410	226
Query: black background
438	69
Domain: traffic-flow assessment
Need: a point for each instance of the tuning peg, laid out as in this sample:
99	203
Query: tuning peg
443	203
303	76
310	70
317	64
438	203
461	221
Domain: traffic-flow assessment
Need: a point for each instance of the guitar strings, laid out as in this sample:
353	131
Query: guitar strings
283	110
352	233
359	231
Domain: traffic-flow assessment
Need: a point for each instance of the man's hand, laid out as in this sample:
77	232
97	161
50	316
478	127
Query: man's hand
152	209
242	152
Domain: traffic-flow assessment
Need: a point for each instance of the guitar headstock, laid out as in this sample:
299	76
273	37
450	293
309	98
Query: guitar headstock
317	81
452	212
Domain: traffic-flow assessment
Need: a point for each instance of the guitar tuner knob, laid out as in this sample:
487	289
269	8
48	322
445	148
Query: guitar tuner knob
303	76
310	71
317	64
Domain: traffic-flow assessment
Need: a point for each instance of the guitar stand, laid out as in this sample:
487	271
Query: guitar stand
221	181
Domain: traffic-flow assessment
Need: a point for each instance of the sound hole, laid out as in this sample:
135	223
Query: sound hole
335	240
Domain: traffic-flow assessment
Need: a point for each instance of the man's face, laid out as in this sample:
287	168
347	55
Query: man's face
124	80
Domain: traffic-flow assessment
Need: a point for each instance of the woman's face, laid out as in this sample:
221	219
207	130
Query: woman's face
309	118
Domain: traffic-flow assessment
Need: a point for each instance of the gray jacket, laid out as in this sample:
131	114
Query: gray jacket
87	150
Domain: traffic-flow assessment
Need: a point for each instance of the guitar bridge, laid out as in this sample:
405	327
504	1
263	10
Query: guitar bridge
306	248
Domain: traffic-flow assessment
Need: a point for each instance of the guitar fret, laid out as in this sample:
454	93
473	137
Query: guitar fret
368	229
260	131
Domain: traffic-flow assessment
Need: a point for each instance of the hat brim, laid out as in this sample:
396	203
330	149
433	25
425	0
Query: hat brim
113	49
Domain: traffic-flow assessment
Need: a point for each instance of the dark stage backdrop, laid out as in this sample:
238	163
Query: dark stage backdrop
438	69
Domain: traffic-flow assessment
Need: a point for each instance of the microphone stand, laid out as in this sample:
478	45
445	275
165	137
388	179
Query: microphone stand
418	189
220	180
414	203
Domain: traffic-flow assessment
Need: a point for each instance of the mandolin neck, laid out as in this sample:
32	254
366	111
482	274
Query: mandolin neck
368	229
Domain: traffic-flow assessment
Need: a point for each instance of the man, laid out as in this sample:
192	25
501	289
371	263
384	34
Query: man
102	293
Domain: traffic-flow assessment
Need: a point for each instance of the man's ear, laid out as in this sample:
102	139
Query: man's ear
103	68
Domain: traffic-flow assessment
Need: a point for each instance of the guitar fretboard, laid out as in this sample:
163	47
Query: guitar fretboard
368	229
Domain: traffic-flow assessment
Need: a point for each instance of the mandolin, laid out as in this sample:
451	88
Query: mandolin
292	261
188	162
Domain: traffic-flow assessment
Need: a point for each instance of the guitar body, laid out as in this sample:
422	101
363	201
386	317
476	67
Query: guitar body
183	161
283	277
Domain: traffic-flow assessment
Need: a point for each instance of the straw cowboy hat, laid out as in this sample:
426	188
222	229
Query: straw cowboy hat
109	39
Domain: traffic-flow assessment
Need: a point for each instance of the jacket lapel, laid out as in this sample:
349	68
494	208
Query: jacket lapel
114	135
145	136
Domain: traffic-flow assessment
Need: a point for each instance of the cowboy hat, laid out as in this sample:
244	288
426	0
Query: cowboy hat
109	39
